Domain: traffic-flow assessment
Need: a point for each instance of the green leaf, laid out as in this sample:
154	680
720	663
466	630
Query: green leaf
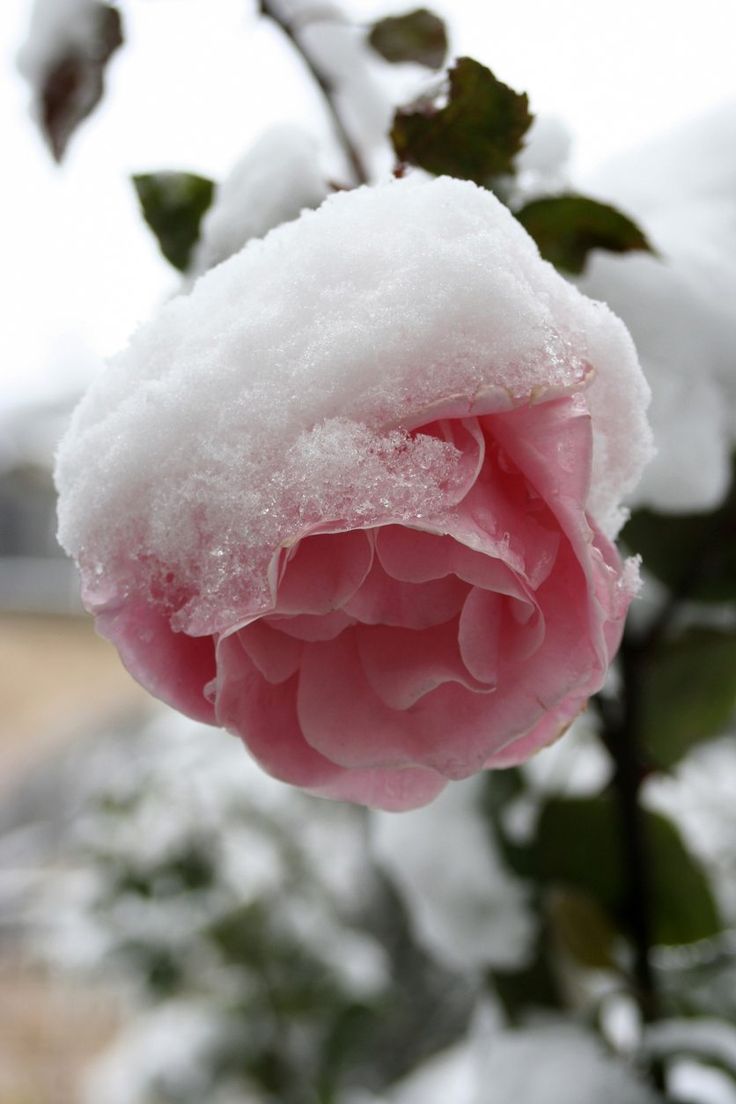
173	204
534	985
693	554
475	136
579	846
688	693
567	227
74	83
418	36
582	928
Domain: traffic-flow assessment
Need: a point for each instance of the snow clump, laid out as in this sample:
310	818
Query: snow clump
282	391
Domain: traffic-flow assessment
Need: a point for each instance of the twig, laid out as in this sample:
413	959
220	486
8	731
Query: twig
357	165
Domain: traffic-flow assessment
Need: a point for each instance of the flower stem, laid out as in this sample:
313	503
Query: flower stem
622	737
270	10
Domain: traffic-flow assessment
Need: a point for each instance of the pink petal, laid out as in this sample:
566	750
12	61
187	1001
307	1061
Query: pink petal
170	665
323	571
276	656
553	725
382	600
479	634
342	717
266	720
312	626
402	665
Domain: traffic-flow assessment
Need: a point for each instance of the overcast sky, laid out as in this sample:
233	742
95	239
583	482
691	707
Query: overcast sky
197	81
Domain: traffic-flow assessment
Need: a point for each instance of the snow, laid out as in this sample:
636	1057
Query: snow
541	1064
551	1063
142	796
171	1039
702	1084
677	336
680	187
277	395
271	184
706	1038
677	305
466	909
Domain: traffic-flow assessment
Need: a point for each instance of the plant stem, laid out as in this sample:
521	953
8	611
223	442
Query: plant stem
268	9
622	737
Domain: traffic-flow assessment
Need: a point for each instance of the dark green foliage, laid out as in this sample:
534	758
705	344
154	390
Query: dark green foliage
689	693
173	204
567	227
475	136
530	987
693	554
189	869
581	928
579	846
73	86
418	36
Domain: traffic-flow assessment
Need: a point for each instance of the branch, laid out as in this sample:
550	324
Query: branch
268	9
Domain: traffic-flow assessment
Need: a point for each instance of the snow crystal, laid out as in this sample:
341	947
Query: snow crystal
272	184
477	913
280	392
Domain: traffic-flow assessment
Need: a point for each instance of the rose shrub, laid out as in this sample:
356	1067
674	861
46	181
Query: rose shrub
353	498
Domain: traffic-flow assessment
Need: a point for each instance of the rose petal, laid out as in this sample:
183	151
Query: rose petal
342	717
402	665
382	600
170	665
265	718
323	571
479	633
276	657
312	627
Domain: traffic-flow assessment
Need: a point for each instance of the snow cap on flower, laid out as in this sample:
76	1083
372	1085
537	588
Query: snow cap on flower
271	184
280	392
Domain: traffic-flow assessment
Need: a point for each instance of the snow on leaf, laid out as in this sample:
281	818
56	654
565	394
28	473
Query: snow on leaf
64	59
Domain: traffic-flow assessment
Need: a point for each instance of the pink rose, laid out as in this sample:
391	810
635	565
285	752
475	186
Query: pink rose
384	586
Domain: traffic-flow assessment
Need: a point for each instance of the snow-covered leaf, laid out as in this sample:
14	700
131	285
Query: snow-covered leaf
65	57
474	136
567	227
276	179
173	204
418	36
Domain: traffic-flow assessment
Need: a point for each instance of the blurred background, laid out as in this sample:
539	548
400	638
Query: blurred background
175	927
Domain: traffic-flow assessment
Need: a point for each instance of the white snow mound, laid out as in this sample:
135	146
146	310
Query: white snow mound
278	394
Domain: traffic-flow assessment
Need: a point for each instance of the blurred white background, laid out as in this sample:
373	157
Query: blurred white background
197	80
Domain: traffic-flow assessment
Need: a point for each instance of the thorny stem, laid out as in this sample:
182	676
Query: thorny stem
268	9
